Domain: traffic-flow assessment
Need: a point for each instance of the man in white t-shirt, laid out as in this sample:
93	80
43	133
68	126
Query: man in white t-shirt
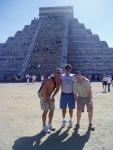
67	97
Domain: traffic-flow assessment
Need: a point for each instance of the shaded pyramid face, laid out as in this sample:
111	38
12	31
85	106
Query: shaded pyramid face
86	52
51	41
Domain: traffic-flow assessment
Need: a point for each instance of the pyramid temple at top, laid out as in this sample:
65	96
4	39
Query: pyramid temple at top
52	40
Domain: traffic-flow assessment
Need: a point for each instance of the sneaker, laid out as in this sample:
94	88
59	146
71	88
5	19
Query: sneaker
90	127
50	127
70	124
77	126
45	130
64	123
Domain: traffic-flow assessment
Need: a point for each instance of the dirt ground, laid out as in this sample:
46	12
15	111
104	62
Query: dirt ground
20	121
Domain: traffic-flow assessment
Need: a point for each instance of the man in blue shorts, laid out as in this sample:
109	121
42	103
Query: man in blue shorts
67	96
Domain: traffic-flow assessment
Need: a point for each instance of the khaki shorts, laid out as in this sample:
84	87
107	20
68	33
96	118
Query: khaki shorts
84	101
45	106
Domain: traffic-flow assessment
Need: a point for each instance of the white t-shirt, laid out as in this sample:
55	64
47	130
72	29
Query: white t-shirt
67	83
109	79
33	77
27	76
104	78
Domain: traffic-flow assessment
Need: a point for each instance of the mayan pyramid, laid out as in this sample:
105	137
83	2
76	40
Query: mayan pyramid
52	40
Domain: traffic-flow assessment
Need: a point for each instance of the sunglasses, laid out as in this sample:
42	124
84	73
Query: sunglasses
58	72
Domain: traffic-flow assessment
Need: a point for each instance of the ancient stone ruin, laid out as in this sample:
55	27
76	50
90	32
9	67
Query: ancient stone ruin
52	40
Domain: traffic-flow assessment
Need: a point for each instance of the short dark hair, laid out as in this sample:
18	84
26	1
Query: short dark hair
77	73
68	66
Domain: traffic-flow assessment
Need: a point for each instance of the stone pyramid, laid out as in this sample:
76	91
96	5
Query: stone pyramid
51	41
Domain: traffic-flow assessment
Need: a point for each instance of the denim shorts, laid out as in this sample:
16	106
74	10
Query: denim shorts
67	99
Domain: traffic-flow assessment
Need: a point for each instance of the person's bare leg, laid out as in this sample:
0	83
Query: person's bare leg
90	116
63	116
44	116
63	113
78	116
51	112
105	88
78	119
71	113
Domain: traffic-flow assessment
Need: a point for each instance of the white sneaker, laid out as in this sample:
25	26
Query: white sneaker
45	130
50	127
70	124
64	123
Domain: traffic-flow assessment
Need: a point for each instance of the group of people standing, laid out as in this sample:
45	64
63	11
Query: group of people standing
106	83
75	90
30	78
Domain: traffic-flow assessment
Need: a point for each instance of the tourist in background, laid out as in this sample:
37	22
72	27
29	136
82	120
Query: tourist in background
33	78
104	83
67	97
109	81
83	95
27	78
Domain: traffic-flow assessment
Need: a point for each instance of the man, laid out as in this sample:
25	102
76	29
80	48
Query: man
67	97
104	83
46	94
27	78
83	95
109	81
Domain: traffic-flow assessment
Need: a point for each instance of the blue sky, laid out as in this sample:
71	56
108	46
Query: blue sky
95	14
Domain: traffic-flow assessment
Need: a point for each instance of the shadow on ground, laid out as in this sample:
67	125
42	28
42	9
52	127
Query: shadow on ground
56	141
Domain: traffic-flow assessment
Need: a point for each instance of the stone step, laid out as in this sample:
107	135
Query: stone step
87	71
93	37
90	44
91	59
80	31
93	67
77	26
91	51
12	57
74	21
12	69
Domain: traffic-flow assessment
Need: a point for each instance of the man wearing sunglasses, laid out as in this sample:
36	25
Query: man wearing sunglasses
46	94
67	97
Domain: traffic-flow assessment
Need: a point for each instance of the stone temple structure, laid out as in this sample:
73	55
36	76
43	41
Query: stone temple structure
53	40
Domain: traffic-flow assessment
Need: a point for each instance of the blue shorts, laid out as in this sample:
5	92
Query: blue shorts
67	99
